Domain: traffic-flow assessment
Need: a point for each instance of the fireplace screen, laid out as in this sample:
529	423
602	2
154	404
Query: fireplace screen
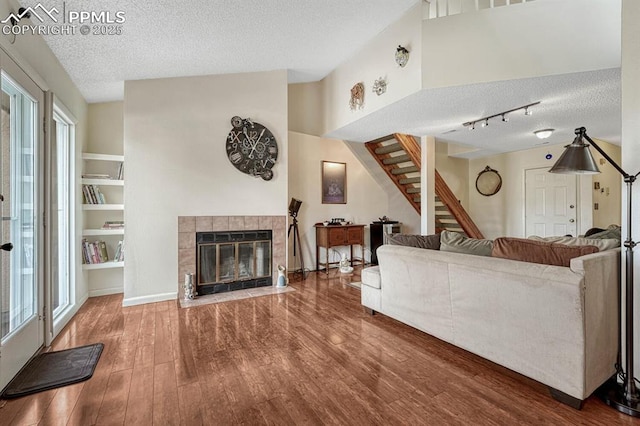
233	260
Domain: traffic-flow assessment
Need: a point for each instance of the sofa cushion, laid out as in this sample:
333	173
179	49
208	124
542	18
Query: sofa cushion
458	243
613	231
371	276
431	242
602	243
538	251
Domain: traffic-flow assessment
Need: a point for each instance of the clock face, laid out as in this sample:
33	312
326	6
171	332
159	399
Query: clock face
252	148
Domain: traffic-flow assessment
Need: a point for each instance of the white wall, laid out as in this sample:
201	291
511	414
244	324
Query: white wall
631	137
34	55
454	171
306	108
507	43
366	200
175	133
105	136
503	214
608	196
375	60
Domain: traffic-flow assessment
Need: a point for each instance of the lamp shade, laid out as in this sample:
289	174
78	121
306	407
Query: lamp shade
576	159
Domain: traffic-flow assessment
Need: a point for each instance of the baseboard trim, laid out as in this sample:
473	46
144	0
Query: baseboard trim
141	300
106	291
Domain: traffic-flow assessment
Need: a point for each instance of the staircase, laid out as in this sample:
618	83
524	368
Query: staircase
399	156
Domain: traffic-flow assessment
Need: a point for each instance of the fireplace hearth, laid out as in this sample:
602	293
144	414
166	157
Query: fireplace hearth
233	260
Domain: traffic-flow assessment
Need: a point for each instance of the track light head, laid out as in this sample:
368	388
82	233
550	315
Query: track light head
504	118
527	111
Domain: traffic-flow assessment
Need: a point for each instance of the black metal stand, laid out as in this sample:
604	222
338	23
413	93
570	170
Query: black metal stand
623	396
296	247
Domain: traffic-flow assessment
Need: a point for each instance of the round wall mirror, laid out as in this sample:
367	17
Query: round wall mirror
488	182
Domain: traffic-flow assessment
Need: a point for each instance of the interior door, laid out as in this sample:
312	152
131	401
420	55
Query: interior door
551	207
21	295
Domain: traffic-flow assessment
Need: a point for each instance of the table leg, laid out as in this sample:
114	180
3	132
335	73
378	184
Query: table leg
351	254
327	260
317	257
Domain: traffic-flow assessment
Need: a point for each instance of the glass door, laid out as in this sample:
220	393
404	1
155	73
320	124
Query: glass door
21	328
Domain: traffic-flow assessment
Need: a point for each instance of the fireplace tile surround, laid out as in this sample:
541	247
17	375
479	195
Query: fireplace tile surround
189	225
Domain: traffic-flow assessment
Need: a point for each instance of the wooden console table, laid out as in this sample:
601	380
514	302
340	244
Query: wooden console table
338	235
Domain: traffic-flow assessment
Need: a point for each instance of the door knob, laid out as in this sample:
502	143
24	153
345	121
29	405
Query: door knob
571	220
6	247
571	206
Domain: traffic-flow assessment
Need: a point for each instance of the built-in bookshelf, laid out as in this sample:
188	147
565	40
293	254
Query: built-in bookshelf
103	206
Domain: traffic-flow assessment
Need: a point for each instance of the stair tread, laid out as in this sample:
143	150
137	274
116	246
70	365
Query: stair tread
413	190
397	159
404	170
405	181
388	149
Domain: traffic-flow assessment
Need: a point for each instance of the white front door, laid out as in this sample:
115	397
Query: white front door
21	283
551	207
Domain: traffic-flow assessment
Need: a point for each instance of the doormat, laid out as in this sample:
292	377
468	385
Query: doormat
52	370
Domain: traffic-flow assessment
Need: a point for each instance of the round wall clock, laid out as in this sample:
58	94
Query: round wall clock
252	148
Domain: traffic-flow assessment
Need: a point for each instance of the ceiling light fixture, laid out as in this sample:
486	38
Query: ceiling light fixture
484	121
544	133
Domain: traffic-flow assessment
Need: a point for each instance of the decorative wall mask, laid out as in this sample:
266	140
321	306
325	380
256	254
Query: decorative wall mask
357	97
380	86
402	56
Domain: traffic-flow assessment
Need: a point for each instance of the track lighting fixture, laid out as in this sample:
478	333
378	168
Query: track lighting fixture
484	121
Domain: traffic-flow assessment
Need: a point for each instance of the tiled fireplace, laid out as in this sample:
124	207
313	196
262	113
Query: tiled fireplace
189	226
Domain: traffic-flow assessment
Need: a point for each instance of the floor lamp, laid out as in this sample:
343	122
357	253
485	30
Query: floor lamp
577	159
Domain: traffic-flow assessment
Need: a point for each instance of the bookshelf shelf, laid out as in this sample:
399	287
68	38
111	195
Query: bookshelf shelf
97	232
105	265
102	157
110	182
103	207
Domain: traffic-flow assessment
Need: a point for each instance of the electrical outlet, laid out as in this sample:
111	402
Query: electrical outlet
595	206
596	185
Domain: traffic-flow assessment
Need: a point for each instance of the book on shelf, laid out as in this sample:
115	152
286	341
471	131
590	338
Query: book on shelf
93	195
94	252
113	224
119	255
95	176
120	175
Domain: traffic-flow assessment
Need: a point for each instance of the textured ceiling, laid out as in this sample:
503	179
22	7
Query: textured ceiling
590	99
182	38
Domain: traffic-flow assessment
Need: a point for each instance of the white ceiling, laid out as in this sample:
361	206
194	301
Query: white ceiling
165	38
588	99
309	38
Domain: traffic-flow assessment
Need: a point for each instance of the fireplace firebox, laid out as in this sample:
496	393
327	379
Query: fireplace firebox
233	260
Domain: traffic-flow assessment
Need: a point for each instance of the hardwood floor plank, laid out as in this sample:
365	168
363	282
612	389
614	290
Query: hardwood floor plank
166	409
114	404
139	409
191	404
61	406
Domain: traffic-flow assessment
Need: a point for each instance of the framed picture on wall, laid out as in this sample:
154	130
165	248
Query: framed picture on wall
334	182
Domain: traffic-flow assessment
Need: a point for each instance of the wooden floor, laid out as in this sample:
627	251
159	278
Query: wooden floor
311	356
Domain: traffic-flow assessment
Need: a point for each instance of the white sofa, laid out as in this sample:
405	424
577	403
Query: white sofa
554	324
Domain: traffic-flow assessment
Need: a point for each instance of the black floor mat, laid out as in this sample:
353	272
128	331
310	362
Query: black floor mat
55	369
